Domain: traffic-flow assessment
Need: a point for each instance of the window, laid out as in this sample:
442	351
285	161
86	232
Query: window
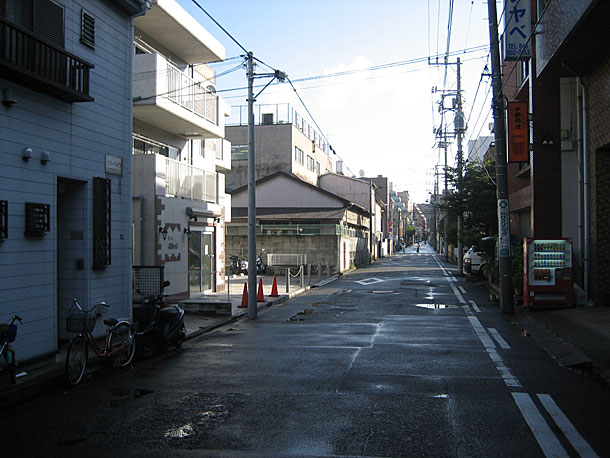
87	30
239	152
45	18
143	145
299	156
311	163
317	168
101	222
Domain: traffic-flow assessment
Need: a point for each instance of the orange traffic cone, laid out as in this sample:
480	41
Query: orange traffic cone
260	297
274	292
244	297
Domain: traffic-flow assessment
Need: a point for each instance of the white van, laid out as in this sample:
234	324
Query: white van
473	261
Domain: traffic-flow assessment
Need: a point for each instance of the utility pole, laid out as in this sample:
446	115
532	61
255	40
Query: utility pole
504	248
459	127
445	194
280	76
252	305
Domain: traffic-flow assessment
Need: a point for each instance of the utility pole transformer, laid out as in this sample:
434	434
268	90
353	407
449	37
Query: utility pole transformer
504	249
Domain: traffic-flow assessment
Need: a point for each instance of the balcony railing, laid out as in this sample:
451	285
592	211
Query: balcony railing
191	94
42	66
183	180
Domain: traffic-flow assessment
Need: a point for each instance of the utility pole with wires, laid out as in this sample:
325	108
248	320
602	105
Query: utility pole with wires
280	76
504	249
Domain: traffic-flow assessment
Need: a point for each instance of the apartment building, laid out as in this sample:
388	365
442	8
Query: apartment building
180	155
284	142
65	180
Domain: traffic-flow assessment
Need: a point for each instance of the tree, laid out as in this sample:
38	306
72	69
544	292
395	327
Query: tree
476	201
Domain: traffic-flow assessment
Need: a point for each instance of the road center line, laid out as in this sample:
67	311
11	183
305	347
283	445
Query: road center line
550	445
578	442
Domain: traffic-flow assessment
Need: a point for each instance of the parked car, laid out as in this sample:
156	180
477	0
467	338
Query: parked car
473	261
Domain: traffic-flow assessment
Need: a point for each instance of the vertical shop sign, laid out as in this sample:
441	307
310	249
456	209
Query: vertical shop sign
518	132
517	30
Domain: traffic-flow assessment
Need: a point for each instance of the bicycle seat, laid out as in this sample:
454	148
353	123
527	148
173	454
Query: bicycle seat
110	321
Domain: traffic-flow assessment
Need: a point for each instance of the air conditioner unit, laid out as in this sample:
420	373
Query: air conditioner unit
267	119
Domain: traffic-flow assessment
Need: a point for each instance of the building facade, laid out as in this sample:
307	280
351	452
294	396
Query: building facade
298	218
179	153
570	97
284	142
65	186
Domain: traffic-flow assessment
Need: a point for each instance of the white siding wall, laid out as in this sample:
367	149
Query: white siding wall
77	136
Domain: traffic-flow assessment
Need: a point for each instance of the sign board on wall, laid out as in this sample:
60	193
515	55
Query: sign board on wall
518	132
517	29
114	165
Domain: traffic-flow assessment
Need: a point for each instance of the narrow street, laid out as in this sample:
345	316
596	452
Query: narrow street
397	359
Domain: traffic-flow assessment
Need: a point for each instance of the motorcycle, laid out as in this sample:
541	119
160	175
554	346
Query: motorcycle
157	325
238	265
261	268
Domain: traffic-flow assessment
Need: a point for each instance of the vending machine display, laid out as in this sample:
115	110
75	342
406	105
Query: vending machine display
547	272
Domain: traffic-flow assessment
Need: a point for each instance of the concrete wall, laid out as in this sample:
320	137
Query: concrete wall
354	190
78	136
338	251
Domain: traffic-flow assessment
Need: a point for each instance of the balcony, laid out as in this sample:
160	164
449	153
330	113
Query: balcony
41	66
155	174
167	98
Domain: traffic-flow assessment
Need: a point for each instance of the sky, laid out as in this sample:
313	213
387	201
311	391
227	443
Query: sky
379	122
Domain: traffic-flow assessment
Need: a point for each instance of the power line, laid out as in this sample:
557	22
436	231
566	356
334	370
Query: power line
221	27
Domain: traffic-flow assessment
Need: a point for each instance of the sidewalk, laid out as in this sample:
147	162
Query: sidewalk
577	338
202	314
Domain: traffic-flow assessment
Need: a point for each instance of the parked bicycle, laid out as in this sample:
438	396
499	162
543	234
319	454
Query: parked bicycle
119	342
8	334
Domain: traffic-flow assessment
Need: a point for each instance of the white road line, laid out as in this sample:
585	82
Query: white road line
475	306
462	289
480	330
550	445
509	379
577	441
496	335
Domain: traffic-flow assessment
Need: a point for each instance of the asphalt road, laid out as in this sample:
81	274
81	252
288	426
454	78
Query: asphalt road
397	359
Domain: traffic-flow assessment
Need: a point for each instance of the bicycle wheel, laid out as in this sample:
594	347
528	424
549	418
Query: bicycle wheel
122	343
76	360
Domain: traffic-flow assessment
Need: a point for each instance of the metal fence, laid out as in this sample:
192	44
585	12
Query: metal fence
184	180
286	259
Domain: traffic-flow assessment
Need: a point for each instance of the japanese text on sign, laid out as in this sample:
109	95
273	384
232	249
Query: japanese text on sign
517	29
518	132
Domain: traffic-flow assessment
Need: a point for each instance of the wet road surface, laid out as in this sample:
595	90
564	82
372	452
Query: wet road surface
397	359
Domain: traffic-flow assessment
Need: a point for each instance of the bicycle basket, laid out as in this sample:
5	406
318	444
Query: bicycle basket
78	320
8	333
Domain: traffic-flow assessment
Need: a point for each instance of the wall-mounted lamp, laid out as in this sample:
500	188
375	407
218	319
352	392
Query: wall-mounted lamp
217	219
187	232
8	97
26	154
45	157
163	232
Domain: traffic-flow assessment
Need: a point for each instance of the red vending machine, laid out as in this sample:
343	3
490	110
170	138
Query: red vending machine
547	273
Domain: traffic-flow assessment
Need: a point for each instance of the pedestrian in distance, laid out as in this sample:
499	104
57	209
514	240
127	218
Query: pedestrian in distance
418	247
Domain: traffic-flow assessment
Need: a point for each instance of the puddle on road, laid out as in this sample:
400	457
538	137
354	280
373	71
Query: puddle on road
434	306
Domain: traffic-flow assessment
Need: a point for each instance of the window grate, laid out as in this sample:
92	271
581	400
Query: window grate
101	222
37	219
3	217
87	30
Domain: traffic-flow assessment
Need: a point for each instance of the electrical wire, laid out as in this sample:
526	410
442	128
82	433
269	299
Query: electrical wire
220	26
